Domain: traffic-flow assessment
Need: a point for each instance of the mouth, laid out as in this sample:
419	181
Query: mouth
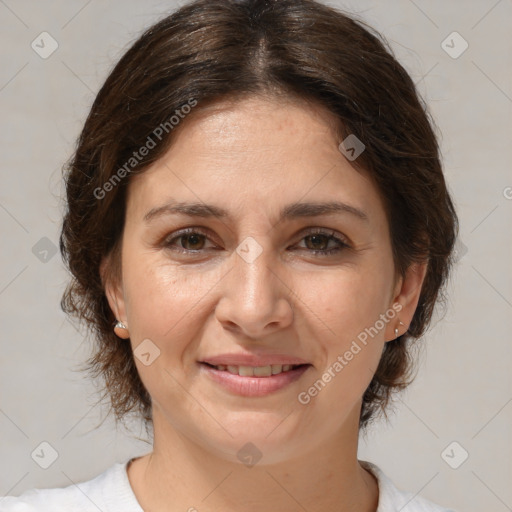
253	381
255	371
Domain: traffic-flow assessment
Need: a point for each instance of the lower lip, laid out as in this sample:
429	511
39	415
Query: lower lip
253	386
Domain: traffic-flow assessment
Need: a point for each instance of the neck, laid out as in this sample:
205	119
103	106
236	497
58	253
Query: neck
183	474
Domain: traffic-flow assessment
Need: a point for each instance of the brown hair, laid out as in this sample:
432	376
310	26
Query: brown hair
211	50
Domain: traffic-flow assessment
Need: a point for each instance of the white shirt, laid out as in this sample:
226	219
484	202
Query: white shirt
111	492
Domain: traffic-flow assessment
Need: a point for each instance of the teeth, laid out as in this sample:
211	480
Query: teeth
255	371
277	368
262	371
245	371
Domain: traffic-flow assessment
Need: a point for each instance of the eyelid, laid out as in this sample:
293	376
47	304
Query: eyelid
186	231
329	232
342	241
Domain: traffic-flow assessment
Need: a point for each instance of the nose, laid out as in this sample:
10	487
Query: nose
256	300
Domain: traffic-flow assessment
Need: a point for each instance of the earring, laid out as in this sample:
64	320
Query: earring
396	328
121	330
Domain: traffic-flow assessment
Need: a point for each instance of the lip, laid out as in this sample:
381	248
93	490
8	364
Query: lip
253	386
252	359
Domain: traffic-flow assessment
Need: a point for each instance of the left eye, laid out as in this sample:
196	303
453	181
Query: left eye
317	242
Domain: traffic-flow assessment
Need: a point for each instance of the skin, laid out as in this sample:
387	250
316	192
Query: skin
252	158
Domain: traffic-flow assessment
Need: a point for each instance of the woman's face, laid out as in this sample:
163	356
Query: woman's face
236	277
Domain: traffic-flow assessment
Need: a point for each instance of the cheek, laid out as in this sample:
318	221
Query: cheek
163	308
162	298
343	304
346	308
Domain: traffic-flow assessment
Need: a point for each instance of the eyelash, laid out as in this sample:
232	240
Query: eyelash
168	243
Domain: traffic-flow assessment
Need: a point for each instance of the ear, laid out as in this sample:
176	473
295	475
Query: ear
113	286
406	294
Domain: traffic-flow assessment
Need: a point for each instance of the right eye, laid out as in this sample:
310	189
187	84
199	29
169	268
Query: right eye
190	240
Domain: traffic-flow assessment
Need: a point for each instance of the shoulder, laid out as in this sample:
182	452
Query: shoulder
110	492
392	499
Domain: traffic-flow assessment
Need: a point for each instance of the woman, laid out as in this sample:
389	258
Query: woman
257	228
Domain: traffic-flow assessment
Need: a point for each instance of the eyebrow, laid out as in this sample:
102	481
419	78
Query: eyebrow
289	212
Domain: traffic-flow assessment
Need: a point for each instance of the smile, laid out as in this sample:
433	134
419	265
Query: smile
254	381
256	371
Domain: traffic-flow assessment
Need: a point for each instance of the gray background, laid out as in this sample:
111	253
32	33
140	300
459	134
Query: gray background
463	392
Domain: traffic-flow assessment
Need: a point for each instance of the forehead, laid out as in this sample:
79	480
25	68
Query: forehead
258	154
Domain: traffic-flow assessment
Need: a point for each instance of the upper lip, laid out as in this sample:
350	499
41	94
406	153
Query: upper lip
252	360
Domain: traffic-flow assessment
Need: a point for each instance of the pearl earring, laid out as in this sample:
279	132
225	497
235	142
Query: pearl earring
396	328
121	330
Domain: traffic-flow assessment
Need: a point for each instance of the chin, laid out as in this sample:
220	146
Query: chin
265	438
